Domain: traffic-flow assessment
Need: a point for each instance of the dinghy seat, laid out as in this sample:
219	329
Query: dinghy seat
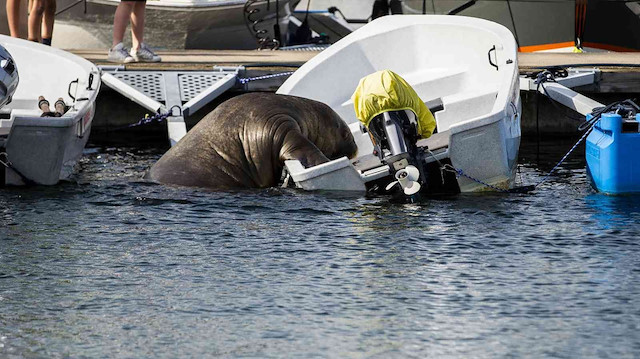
435	105
464	106
436	141
367	162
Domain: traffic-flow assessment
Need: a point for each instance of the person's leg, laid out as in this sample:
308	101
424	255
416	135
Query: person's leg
13	17
35	20
121	20
47	21
139	50
118	53
137	24
380	8
395	6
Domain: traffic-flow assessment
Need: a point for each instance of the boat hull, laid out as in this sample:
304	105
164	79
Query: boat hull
168	27
45	153
44	150
537	25
468	65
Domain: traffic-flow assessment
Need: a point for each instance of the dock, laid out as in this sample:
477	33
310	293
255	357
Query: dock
618	78
255	62
620	70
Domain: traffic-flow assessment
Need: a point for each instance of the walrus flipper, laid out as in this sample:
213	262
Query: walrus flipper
298	147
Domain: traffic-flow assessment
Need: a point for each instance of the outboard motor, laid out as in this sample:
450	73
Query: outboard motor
8	76
395	117
394	135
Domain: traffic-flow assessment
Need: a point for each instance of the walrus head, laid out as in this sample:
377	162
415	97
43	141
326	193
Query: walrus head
329	132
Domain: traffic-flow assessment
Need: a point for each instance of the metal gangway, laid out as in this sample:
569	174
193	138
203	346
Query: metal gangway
560	90
177	94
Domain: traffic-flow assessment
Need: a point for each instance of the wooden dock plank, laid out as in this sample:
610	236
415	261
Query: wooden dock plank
201	59
527	60
620	71
243	57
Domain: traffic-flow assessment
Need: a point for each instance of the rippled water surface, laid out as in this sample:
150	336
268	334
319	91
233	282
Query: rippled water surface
110	266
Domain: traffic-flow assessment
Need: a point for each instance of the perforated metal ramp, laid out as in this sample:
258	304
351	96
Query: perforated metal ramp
160	91
150	84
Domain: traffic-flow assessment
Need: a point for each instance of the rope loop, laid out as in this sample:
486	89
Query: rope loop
6	161
549	75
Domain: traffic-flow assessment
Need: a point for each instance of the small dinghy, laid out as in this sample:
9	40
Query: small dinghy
43	150
464	69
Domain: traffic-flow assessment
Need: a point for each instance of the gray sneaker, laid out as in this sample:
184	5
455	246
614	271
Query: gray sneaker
144	54
119	54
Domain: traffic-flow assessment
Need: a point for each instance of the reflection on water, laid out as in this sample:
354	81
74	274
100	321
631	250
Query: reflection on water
110	266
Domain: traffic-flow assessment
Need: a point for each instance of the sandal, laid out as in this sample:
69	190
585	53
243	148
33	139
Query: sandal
43	104
61	106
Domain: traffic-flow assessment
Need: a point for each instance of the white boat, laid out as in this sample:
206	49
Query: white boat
522	17
468	65
174	24
44	150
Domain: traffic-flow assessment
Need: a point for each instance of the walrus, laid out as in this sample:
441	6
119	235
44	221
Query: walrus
244	142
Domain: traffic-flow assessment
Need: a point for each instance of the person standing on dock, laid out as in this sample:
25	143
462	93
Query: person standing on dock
382	8
13	17
132	10
41	17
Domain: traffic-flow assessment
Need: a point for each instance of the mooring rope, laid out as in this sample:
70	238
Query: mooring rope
7	163
587	126
159	117
246	80
586	133
549	75
520	189
460	173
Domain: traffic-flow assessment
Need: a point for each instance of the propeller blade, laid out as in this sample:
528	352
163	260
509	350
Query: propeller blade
411	188
412	173
408	178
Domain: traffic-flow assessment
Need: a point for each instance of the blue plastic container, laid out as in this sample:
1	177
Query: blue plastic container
613	154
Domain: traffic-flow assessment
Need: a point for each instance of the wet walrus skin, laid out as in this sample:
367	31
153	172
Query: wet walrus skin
244	142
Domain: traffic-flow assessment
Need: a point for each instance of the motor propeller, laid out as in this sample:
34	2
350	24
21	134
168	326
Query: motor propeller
407	178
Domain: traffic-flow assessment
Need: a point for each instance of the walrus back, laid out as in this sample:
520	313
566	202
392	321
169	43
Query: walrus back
238	144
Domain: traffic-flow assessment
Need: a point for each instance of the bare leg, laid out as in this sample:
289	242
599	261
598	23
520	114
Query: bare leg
137	24
35	19
48	19
380	8
13	16
121	20
395	6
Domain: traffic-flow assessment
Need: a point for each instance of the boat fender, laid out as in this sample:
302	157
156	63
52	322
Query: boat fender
8	76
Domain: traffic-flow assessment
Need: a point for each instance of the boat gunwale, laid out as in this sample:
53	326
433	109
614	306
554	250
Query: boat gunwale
185	5
503	99
79	109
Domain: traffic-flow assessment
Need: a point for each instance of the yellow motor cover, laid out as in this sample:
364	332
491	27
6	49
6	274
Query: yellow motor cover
384	91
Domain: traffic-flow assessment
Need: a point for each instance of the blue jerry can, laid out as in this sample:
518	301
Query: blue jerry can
613	154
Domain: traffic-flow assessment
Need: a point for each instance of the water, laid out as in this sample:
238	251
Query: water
110	266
